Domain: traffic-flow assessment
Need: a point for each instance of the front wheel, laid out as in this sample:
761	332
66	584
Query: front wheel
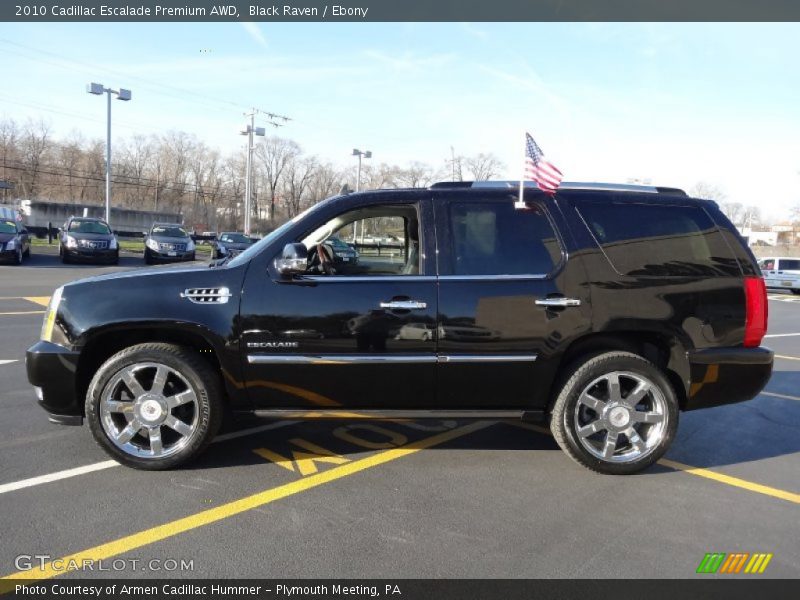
615	413
154	406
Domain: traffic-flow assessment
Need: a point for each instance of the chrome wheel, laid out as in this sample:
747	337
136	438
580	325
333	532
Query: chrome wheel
149	410
621	417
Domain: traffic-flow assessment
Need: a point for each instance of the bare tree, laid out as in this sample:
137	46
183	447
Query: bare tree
33	146
9	139
483	166
274	153
417	175
298	176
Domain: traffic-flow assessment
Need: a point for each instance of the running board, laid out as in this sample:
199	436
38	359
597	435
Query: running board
381	414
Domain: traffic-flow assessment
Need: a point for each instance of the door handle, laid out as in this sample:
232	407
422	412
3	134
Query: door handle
404	305
558	302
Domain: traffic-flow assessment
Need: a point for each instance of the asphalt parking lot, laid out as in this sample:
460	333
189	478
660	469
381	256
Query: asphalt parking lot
396	499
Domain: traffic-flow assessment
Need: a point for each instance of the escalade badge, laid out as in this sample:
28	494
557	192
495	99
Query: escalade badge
273	344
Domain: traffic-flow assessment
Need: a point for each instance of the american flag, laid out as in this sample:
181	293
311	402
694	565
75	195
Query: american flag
537	169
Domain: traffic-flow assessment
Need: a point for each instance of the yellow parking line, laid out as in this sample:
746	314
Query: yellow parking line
784	357
700	472
24	312
206	517
40	300
734	481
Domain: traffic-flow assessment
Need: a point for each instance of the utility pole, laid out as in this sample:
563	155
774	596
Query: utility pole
250	130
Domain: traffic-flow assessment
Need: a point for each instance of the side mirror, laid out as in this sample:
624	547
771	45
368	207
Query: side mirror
293	260
24	231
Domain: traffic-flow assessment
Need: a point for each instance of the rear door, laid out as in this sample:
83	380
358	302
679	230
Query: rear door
509	299
788	273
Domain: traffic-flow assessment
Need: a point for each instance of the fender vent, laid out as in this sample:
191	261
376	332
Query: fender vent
218	295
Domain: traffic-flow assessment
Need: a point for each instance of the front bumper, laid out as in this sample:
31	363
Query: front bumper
52	368
92	254
8	255
165	257
727	375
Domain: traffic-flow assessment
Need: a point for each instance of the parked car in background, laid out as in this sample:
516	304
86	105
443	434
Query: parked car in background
15	243
87	239
343	253
168	242
781	272
230	244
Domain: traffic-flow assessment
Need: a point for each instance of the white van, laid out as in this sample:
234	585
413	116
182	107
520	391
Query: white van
781	272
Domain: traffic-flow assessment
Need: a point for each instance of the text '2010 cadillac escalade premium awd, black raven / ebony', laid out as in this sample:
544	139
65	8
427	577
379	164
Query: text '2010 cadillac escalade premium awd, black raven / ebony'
605	309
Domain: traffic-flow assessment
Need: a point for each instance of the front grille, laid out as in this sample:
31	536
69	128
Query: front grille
233	252
207	295
94	244
163	247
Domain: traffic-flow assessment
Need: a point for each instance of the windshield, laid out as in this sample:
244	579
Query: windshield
337	243
8	227
235	238
169	231
267	239
89	227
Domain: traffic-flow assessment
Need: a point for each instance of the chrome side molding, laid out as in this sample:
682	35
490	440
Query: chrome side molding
366	359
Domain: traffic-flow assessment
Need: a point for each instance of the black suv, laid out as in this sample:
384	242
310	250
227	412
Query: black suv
605	310
87	239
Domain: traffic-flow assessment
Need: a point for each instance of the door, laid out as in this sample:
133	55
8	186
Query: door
788	273
769	269
350	333
509	301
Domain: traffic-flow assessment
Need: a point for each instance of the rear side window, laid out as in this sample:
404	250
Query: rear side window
789	264
660	240
494	238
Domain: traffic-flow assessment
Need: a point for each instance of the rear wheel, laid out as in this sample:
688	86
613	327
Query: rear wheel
796	292
615	413
154	406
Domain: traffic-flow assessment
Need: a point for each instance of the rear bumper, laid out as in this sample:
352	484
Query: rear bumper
727	375
51	368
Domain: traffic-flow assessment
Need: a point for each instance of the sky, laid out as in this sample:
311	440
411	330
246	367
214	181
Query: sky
675	104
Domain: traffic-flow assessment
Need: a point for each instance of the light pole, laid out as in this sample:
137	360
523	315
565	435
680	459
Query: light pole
250	130
359	154
122	94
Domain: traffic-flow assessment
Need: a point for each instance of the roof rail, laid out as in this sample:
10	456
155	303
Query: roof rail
566	185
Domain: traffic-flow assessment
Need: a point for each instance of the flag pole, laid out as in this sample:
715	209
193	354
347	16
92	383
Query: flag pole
520	203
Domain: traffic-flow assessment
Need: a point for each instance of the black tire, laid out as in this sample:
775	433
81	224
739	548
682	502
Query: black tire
28	252
148	260
202	379
18	256
115	260
565	412
796	292
64	257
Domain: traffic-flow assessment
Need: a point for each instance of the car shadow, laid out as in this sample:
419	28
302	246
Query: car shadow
762	428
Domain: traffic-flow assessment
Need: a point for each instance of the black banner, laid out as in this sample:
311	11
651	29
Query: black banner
399	10
734	588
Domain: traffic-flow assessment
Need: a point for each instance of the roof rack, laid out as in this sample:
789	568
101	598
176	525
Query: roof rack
565	185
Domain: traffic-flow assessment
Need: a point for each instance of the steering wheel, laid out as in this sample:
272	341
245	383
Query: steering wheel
322	259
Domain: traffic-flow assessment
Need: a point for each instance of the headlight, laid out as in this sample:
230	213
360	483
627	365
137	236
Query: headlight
50	315
113	244
11	245
71	242
152	244
190	246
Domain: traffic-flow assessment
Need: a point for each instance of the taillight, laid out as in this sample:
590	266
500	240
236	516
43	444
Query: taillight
755	323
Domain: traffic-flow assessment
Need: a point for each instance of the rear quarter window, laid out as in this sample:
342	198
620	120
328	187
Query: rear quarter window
659	240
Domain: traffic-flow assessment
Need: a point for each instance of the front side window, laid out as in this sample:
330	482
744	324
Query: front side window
235	238
381	240
659	240
494	238
767	265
